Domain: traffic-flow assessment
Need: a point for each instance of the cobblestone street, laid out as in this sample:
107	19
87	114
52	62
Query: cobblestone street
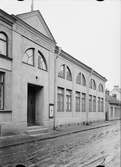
83	149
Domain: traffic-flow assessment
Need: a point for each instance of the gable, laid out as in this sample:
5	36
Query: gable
36	20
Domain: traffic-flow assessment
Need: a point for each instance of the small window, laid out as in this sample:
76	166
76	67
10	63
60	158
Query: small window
78	79
29	56
1	90
3	43
83	80
100	88
68	74
61	72
42	62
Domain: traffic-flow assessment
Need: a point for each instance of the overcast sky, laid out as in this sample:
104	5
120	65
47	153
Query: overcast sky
86	29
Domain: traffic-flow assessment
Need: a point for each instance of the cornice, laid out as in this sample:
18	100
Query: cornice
80	64
100	76
74	60
5	17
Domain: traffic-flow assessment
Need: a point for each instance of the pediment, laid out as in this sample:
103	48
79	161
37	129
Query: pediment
36	20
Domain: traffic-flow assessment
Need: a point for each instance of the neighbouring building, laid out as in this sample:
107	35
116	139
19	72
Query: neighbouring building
116	91
113	107
40	84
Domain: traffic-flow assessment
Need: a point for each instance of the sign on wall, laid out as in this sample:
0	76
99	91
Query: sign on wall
51	110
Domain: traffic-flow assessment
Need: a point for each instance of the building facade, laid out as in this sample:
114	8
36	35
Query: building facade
40	84
113	107
116	91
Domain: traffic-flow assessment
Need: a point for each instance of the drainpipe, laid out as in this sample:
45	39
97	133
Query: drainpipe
57	53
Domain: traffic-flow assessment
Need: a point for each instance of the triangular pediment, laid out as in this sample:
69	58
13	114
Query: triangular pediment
36	20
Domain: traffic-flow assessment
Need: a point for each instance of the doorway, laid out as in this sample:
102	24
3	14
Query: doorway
32	107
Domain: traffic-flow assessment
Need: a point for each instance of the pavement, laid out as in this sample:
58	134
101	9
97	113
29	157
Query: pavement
23	138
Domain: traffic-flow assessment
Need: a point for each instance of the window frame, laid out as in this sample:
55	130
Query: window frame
59	75
78	78
44	60
3	85
6	41
90	103
94	103
92	84
33	51
101	88
59	102
68	102
68	74
83	100
99	104
77	101
83	80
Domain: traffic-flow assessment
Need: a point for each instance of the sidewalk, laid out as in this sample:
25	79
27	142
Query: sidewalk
6	141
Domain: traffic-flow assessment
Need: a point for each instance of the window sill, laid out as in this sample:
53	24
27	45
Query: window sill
32	65
5	57
5	111
42	69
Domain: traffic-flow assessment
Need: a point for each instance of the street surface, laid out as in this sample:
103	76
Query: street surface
83	149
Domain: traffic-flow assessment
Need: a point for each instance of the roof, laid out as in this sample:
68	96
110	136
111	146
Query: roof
78	62
36	20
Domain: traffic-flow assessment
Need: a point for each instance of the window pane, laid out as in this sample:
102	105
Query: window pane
77	102
68	75
78	79
60	100
3	36
29	56
98	104
83	80
1	90
94	103
41	62
3	47
68	100
90	103
61	72
1	96
111	112
30	60
1	78
83	102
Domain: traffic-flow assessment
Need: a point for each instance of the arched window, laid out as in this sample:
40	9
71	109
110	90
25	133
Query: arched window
68	74
92	84
83	82
42	62
29	56
78	79
100	88
65	72
61	72
3	43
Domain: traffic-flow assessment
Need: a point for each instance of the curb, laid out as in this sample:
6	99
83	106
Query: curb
23	139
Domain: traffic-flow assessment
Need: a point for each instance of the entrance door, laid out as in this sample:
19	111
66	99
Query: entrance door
31	106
